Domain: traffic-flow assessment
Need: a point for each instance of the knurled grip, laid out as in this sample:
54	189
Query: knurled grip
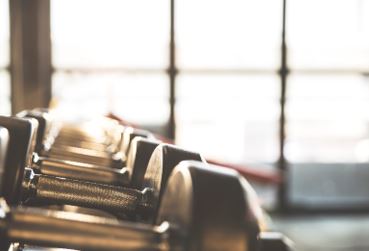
54	190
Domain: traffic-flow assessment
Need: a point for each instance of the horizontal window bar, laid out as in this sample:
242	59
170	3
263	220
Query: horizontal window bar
331	71
106	70
206	71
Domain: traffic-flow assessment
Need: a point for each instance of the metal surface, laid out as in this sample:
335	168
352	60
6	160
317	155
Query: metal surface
204	209
75	136
69	160
82	171
162	162
62	142
71	152
138	158
44	122
30	54
65	168
51	190
211	206
99	133
137	161
20	131
284	71
172	72
48	190
33	140
129	134
81	155
88	132
77	231
41	187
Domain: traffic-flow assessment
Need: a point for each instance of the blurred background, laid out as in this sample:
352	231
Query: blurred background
278	86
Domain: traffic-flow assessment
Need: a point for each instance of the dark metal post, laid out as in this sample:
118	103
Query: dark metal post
30	53
172	73
284	71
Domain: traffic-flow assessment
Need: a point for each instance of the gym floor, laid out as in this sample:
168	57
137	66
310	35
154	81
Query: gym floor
325	232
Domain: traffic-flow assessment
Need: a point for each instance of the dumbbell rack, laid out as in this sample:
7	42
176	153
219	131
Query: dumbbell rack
168	179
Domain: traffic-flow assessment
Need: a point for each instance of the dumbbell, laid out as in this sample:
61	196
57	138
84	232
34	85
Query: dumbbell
113	132
90	132
96	130
115	154
96	135
131	175
34	221
22	185
93	154
142	150
120	147
46	144
202	209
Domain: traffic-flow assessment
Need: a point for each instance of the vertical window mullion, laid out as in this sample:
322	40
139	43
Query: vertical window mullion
282	164
172	71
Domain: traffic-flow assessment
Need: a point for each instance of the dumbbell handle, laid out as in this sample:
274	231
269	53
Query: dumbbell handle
84	232
82	171
54	190
57	229
80	155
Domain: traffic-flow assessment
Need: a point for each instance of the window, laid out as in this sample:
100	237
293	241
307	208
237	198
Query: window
223	35
328	35
112	58
328	92
228	87
140	98
328	121
4	58
237	121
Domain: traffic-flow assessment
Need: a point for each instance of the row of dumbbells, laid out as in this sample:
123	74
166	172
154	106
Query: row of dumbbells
164	197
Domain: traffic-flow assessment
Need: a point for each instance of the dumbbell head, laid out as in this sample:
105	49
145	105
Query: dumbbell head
161	164
203	209
21	132
129	134
138	158
214	206
44	123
